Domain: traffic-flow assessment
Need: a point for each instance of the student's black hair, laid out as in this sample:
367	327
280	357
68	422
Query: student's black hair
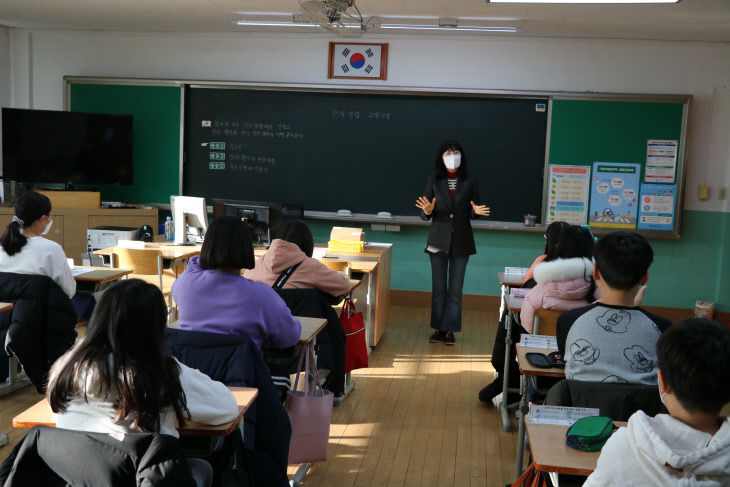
552	239
297	232
623	258
227	245
694	356
576	241
440	168
123	349
29	207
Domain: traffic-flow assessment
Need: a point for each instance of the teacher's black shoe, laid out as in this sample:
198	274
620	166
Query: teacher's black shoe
436	336
449	338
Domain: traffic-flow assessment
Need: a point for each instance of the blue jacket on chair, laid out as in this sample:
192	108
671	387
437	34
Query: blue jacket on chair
236	361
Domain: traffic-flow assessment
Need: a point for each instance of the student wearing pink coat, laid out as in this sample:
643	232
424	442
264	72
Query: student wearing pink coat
295	245
561	284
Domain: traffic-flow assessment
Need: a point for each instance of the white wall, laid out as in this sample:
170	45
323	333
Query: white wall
42	58
4	74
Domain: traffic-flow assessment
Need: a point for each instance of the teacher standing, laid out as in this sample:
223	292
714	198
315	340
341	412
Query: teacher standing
450	201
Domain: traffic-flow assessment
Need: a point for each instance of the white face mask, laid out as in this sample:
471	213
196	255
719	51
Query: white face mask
48	227
452	162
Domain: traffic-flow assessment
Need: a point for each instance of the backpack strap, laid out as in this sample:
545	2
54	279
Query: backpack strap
283	277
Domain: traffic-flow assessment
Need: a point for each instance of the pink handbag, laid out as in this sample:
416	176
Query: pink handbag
310	414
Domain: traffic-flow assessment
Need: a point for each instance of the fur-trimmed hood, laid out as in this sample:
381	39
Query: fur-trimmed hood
561	284
563	270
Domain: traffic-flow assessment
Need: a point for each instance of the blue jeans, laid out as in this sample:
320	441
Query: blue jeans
447	275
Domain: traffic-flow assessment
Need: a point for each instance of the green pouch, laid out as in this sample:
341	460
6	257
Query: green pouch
590	433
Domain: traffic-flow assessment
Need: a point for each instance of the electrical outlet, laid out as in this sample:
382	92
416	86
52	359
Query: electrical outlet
722	193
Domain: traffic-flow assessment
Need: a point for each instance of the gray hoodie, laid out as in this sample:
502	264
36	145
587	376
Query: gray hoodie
663	451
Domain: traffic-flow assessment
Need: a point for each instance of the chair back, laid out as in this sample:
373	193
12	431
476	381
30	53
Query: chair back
146	262
545	321
615	400
55	456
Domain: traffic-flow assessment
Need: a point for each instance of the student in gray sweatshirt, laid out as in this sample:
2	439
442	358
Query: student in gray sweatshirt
612	340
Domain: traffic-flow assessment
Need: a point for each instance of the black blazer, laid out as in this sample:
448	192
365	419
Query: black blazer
451	227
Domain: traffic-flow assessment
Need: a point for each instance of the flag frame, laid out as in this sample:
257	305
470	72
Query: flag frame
334	73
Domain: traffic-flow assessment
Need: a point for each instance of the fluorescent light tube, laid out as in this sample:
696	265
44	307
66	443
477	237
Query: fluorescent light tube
471	28
261	23
583	1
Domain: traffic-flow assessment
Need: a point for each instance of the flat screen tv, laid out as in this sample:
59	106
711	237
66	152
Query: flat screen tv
45	146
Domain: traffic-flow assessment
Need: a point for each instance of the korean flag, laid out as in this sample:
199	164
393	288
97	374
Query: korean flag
356	61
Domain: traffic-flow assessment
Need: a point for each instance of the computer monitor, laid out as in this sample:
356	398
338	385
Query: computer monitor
190	217
260	217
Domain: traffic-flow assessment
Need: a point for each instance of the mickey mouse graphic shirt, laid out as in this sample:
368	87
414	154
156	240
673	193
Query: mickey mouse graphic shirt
602	343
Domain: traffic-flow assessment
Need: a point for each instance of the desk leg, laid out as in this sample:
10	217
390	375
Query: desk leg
13	382
299	474
349	386
501	303
370	302
506	424
524	380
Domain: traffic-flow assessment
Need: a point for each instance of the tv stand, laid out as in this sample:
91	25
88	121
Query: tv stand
73	199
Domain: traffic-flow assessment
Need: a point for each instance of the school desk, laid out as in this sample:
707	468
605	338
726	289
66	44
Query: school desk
551	454
507	281
527	370
40	414
5	307
98	278
310	328
173	255
513	306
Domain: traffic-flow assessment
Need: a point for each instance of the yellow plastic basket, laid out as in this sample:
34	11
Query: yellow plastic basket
345	245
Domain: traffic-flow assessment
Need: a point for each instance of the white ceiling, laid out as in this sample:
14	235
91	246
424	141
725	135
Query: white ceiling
698	20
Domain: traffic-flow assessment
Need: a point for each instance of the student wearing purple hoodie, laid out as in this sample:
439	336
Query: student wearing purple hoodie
212	295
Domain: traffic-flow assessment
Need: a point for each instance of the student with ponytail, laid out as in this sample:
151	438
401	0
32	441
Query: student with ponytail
24	250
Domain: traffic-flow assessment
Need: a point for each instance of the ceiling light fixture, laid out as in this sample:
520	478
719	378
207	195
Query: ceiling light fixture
583	1
261	23
472	28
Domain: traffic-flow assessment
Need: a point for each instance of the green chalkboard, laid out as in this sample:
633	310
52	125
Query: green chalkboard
365	152
583	132
156	115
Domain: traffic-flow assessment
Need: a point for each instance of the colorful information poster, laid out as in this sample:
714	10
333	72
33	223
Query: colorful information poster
614	194
661	161
656	211
568	194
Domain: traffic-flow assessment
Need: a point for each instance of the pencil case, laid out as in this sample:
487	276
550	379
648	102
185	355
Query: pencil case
589	433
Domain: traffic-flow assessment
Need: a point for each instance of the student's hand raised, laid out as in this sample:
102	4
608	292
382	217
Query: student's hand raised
425	205
482	210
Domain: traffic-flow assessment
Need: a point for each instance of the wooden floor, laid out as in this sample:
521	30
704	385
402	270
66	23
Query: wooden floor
413	418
